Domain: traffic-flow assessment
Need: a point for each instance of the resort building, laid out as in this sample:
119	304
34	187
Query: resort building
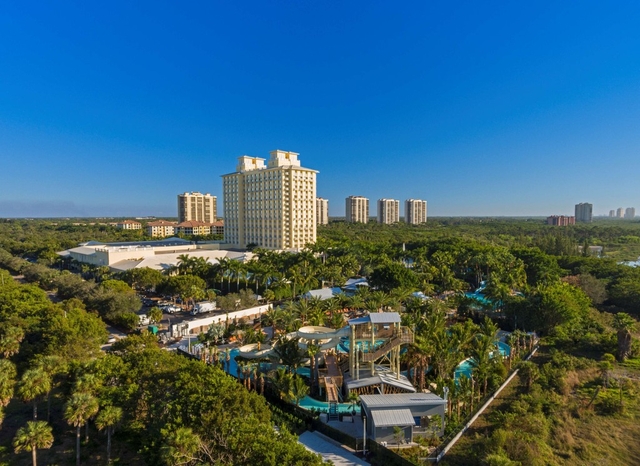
415	211
584	212
388	211
129	225
322	211
272	206
630	212
160	229
198	207
160	255
561	220
411	412
357	209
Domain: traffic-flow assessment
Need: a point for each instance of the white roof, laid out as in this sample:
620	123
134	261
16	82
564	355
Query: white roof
401	399
392	418
165	261
322	293
377	318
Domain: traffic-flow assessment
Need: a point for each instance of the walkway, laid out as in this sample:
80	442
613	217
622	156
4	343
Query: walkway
329	449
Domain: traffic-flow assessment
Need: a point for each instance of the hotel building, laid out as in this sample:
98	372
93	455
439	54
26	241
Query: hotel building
322	211
415	211
388	211
273	205
357	209
197	207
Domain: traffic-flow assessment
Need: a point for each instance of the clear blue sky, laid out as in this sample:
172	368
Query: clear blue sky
481	108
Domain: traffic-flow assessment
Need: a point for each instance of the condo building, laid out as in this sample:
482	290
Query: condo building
612	213
161	229
357	209
561	220
388	211
272	206
630	212
584	212
415	211
197	207
322	211
129	225
619	212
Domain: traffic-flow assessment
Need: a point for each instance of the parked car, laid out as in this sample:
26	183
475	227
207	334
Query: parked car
171	309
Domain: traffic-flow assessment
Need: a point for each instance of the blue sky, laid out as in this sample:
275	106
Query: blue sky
481	108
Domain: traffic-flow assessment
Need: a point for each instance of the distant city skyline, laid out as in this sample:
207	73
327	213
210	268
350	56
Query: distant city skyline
522	109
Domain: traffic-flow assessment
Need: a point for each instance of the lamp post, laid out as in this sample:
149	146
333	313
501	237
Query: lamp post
364	435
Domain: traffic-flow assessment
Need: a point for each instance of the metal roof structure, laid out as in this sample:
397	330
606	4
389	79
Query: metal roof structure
401	400
377	318
392	418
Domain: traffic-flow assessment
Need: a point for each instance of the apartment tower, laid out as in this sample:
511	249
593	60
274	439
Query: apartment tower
415	211
322	211
197	207
357	209
619	212
272	206
584	212
630	212
388	211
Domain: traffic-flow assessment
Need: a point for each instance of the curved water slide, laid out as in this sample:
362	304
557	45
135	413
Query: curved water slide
324	337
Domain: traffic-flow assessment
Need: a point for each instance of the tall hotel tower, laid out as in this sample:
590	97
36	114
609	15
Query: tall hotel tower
272	206
198	207
322	211
388	211
415	211
357	209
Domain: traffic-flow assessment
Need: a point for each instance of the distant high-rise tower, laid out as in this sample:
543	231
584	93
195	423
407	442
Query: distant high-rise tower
415	211
612	213
322	211
357	209
273	205
198	207
630	212
584	212
619	212
388	211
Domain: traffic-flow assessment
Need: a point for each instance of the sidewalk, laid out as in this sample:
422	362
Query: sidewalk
329	449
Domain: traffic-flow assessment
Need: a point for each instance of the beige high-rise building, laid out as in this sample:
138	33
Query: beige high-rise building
272	206
619	212
388	211
322	211
357	209
630	212
197	207
415	211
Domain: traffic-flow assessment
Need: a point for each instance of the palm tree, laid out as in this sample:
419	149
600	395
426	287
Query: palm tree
80	407
7	382
10	341
298	389
36	434
52	365
624	324
107	419
33	384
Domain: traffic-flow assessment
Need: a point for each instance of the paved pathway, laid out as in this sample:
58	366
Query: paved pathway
330	450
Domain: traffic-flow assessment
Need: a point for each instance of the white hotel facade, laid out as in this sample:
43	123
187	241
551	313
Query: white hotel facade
273	205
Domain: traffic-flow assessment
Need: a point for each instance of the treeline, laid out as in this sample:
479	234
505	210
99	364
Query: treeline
170	409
